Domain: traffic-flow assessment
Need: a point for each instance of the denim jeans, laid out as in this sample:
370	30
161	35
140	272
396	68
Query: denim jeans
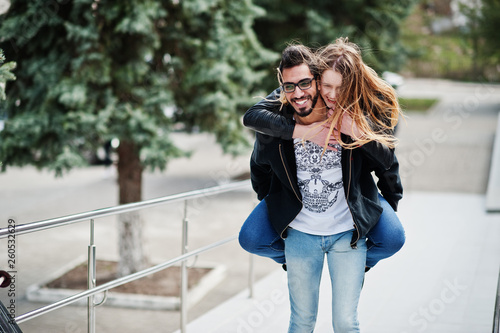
257	236
305	255
386	238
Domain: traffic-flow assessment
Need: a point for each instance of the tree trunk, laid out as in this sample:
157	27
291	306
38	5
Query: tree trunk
130	242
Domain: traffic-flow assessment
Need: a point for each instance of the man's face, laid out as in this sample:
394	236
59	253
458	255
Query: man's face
302	101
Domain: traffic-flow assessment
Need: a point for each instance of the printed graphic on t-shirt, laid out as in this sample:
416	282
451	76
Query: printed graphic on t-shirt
318	194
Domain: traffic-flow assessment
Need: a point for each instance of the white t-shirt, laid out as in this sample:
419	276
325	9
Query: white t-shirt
324	206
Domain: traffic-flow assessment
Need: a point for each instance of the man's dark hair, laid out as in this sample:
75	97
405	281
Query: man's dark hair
295	55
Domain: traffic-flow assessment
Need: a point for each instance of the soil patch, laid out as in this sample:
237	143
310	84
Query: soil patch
164	283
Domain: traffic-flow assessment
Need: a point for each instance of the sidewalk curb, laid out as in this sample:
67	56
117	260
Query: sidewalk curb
493	189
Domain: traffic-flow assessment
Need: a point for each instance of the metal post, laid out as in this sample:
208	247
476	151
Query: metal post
184	274
496	315
251	273
251	276
91	280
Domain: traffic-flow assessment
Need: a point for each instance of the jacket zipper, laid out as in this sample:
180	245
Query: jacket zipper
353	244
289	180
287	173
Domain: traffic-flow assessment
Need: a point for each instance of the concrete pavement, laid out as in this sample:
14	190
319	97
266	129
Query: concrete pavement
443	280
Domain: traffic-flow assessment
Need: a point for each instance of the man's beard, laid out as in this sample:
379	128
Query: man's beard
306	112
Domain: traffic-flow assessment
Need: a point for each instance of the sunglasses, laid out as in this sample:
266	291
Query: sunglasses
304	84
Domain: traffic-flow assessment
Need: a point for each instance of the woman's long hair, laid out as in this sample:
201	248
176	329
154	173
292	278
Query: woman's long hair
370	101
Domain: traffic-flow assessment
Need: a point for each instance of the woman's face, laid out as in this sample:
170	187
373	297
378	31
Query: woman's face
329	88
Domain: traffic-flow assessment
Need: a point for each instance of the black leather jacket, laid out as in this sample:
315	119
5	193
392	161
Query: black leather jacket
274	170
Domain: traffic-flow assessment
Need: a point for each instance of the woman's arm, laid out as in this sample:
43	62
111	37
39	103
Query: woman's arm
260	169
389	183
378	153
264	117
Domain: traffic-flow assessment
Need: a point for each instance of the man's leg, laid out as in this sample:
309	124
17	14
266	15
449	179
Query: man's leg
387	236
257	235
305	257
347	269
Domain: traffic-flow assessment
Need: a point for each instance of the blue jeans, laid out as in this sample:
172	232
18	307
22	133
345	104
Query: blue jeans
386	238
305	255
257	236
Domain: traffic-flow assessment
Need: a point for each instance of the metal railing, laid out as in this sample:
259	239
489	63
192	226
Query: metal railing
91	262
496	314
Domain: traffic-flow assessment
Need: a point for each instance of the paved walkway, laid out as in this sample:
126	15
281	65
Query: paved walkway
443	280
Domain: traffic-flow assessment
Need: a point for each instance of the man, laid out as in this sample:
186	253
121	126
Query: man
303	188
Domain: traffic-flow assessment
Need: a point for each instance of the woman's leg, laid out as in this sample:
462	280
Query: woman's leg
305	257
258	236
347	270
387	236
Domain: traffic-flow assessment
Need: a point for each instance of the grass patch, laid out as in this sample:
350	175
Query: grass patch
417	104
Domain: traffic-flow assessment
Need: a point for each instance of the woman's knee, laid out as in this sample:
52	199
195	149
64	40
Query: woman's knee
247	240
394	241
402	237
390	230
398	238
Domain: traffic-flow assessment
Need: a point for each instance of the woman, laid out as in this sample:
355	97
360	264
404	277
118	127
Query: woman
366	111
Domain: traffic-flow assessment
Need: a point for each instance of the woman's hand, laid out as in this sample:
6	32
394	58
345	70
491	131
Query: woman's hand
349	127
317	133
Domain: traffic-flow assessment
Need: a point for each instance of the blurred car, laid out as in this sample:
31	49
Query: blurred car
394	79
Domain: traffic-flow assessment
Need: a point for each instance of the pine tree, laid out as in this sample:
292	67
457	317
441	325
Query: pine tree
5	74
489	27
373	25
217	59
482	31
89	71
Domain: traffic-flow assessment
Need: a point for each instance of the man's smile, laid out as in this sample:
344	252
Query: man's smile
301	101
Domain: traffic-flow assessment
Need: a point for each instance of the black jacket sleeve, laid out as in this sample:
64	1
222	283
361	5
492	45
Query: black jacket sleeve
260	171
389	183
264	117
379	154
